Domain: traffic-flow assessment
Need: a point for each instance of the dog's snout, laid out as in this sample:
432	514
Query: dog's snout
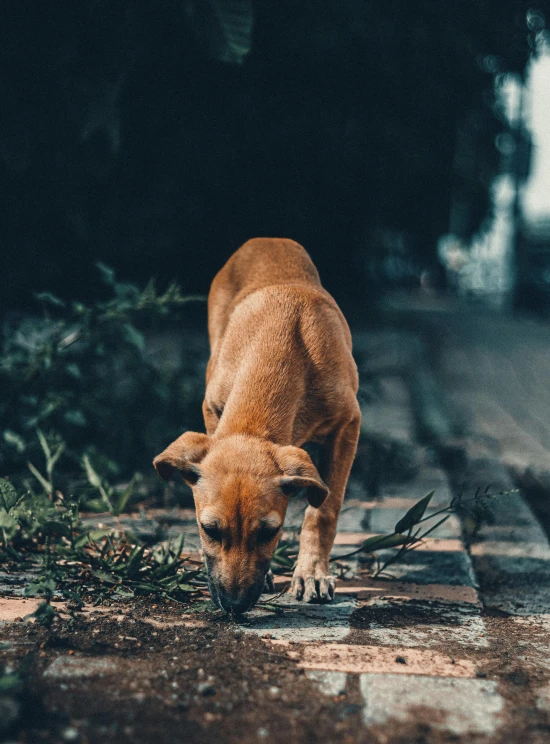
234	605
237	602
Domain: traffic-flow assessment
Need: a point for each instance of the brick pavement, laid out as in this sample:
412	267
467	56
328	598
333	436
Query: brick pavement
456	640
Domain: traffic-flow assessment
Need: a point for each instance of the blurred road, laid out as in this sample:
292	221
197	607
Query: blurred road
494	371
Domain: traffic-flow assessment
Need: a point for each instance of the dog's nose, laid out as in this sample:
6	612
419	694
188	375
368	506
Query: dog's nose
238	600
234	605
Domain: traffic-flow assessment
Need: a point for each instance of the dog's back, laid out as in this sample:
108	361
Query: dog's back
281	348
259	263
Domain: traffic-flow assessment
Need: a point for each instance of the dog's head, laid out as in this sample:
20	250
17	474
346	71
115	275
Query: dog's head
241	486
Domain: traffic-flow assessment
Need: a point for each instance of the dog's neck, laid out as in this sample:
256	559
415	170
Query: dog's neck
275	413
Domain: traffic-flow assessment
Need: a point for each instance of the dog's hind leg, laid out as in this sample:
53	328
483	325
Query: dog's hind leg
312	580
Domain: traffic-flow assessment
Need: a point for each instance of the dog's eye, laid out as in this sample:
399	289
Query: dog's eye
266	534
213	532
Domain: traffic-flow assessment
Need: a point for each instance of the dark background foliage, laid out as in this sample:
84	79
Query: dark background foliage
130	133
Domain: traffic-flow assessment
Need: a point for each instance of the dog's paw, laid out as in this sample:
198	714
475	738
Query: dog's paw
269	586
313	587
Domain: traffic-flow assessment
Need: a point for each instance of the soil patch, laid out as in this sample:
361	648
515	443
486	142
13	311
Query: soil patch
104	679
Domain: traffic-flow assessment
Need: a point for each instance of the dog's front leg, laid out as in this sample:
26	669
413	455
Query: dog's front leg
312	580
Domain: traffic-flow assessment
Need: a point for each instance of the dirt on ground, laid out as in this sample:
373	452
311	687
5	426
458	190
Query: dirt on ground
129	673
195	682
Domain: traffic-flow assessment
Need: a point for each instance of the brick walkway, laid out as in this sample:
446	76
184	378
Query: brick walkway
456	641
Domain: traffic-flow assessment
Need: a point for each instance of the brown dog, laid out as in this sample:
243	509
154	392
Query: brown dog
280	374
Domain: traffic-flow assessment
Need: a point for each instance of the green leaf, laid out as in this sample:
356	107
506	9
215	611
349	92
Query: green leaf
124	496
14	440
131	334
44	614
98	534
9	682
134	561
8	494
414	515
106	578
226	27
8	524
55	457
91	474
76	418
107	274
95	481
44	445
57	528
145	587
40	478
44	587
381	542
124	593
73	370
187	588
49	299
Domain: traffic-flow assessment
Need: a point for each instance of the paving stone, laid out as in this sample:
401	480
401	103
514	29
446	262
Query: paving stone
329	683
390	414
353	519
414	490
458	625
459	706
519	600
533	647
513	512
514	573
303	622
66	667
543	698
432	567
399	660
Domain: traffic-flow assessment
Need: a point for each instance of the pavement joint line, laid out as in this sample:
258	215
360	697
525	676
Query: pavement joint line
432	544
442	593
361	659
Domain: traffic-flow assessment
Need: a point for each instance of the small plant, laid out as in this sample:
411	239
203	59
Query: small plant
408	532
83	376
44	531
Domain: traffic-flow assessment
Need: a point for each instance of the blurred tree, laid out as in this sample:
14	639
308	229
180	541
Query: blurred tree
159	137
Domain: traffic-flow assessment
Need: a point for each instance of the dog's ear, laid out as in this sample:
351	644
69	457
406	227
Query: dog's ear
299	472
184	454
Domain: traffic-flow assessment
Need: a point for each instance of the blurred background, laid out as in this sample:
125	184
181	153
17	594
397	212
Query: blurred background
405	144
